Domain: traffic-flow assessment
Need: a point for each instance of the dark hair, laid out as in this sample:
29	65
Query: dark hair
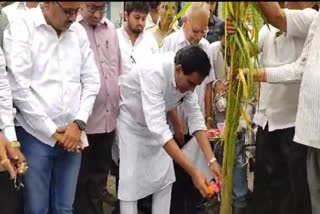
193	59
138	6
154	4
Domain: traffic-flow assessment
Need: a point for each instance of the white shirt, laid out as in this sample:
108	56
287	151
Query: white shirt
278	103
144	46
306	69
6	108
15	9
216	60
54	80
175	42
148	92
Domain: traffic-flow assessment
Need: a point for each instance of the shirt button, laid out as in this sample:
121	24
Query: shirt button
107	110
101	62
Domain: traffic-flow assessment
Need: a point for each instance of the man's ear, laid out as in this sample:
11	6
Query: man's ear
126	16
46	5
179	69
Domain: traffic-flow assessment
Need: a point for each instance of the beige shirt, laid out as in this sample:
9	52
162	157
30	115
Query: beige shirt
158	35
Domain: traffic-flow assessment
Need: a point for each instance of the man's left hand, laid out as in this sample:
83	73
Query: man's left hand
71	138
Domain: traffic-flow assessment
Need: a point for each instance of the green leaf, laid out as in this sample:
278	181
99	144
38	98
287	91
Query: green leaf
180	14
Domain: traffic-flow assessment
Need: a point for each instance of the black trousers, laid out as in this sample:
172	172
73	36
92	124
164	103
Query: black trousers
95	165
11	201
280	176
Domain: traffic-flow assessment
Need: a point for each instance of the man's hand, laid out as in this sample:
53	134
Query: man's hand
220	87
259	74
7	153
20	163
217	172
231	29
200	182
179	133
209	123
71	137
177	126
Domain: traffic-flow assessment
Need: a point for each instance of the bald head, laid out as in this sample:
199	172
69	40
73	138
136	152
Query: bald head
196	22
198	10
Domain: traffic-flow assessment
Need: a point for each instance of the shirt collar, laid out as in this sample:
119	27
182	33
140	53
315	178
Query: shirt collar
39	18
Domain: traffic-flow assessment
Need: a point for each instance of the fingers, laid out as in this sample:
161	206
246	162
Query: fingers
12	152
181	139
6	164
61	130
231	29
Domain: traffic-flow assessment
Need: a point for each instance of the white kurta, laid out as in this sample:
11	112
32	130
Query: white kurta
147	93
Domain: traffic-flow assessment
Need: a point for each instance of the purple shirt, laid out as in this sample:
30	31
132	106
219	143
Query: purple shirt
104	43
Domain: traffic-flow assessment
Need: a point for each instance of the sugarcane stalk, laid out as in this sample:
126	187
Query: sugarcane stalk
242	47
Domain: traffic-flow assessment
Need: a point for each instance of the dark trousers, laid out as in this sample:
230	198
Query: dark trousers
280	177
185	198
95	165
11	201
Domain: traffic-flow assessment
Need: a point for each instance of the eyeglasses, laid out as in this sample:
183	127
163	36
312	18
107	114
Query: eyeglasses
93	9
68	11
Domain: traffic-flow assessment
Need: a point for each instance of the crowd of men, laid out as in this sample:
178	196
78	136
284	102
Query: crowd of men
81	99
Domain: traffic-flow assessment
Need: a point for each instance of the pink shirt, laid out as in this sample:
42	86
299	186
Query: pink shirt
104	43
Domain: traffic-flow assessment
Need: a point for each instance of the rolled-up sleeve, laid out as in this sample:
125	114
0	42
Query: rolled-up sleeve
153	105
90	79
17	49
299	21
192	110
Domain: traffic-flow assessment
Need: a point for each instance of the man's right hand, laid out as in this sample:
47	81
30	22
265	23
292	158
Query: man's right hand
200	182
177	126
7	154
179	133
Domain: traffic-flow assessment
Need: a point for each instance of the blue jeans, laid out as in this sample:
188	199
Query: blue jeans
51	180
240	181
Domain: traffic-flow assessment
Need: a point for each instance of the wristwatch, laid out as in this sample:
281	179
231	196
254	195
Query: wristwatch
81	124
211	161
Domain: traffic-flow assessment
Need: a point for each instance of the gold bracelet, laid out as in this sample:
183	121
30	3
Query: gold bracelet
209	118
15	144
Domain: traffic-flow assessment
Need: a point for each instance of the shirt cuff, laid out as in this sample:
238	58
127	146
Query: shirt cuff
198	127
166	137
51	127
271	74
82	115
10	133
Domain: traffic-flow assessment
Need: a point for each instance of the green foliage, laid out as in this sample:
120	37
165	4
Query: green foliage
243	54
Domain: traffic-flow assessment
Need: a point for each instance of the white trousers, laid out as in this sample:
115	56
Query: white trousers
160	203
